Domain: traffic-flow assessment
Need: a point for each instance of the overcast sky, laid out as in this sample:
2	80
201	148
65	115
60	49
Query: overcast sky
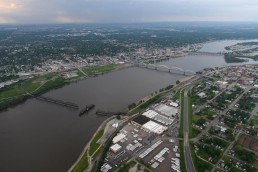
67	11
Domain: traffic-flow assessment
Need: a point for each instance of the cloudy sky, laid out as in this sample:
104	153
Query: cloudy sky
66	11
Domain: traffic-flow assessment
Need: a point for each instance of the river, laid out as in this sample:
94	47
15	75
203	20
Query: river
38	136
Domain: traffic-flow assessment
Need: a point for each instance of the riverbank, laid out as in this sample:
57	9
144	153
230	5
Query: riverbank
84	159
86	164
22	91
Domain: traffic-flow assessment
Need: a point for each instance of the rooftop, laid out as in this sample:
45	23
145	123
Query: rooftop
141	120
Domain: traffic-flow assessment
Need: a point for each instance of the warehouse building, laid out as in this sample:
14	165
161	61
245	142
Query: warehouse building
140	120
166	110
157	117
115	148
154	127
118	138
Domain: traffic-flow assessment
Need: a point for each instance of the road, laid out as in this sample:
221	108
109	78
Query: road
188	158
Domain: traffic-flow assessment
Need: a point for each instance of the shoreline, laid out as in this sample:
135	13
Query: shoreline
26	96
86	147
104	123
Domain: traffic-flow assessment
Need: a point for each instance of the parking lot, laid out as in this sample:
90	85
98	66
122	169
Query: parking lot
137	141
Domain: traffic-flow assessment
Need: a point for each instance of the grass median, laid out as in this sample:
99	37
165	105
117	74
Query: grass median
182	156
181	128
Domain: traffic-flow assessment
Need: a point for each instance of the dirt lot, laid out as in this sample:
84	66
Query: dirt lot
248	142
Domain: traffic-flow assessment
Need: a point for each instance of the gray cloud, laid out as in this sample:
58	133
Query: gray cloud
49	11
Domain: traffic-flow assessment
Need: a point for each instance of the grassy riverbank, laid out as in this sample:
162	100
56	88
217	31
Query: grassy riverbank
82	164
94	149
94	145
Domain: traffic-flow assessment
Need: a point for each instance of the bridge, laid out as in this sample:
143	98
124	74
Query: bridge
164	68
207	53
58	102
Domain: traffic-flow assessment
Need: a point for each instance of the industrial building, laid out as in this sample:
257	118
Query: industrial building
154	127
119	137
140	120
157	117
166	110
115	148
150	126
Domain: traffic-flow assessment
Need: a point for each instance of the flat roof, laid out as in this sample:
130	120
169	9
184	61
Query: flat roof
154	127
115	147
174	104
141	119
166	110
119	137
150	114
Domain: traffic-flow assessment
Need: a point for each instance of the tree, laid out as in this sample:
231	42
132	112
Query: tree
131	105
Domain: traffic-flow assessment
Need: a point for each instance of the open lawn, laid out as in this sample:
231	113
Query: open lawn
94	145
90	71
177	95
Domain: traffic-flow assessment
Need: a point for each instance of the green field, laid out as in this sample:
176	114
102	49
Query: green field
94	145
177	95
91	71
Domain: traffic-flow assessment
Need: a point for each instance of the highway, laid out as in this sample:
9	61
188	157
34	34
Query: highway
188	158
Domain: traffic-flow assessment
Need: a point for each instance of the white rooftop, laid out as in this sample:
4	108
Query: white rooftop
150	114
174	104
166	110
119	137
115	147
154	127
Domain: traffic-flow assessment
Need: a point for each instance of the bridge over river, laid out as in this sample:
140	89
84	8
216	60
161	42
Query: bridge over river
201	53
164	68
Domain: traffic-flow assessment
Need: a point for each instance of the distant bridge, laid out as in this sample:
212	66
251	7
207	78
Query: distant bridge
207	53
175	70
